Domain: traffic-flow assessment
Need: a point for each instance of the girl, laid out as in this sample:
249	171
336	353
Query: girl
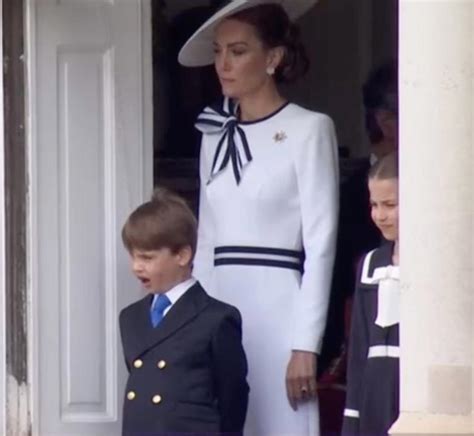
372	403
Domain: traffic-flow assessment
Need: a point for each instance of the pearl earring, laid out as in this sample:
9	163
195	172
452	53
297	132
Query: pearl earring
270	71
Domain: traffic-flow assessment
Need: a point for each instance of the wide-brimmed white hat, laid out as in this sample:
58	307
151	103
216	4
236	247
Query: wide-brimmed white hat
198	50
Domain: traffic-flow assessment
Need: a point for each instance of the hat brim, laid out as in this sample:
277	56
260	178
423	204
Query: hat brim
198	49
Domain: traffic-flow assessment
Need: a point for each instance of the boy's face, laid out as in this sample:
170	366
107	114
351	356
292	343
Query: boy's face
160	270
384	206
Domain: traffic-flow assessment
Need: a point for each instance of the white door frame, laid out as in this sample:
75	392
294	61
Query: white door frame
30	41
9	398
3	375
32	226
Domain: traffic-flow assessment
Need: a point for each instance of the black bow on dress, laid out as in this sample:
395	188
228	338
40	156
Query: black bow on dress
232	145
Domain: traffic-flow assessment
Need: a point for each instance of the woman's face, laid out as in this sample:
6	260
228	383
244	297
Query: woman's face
384	206
241	60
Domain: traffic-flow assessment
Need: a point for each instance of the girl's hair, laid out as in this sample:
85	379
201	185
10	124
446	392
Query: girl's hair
385	168
275	29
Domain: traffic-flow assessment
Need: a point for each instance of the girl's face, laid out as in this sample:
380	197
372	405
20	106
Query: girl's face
241	59
384	206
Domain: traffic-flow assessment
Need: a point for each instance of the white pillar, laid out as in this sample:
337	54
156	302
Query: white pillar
436	155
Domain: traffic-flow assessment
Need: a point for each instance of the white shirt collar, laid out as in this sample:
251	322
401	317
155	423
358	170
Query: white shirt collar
176	292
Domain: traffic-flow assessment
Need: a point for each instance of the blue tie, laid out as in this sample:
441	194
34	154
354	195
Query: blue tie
157	310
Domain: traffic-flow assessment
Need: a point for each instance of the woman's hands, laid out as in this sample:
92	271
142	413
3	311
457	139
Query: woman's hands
301	377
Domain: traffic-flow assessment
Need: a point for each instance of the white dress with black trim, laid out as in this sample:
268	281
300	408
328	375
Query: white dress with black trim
269	193
372	402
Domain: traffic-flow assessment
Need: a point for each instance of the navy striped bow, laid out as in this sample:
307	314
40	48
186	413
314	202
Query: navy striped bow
232	145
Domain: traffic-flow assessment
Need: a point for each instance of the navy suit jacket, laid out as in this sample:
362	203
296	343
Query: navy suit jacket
188	375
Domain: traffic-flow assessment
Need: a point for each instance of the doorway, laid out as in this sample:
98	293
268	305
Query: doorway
345	40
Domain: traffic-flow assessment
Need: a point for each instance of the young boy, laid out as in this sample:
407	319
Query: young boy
372	403
183	350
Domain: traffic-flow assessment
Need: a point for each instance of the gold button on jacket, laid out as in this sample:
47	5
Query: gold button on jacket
173	390
138	363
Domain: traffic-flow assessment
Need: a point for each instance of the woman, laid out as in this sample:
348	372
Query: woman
268	206
372	402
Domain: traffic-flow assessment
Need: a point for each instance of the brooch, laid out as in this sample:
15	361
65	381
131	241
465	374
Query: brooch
279	136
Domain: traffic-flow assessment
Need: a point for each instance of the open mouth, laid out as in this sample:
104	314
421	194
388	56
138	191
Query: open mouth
145	281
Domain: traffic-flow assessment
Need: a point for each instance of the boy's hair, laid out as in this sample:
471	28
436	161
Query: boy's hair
164	222
385	168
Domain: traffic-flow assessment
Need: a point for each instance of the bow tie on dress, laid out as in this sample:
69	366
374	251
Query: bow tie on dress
232	146
388	304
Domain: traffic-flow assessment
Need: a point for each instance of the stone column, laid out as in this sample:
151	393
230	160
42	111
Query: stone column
436	156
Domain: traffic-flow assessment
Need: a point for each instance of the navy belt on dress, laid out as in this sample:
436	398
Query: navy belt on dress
259	256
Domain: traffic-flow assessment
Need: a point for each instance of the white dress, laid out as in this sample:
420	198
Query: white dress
268	192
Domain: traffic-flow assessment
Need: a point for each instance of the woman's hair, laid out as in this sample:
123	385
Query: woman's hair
385	168
380	92
275	29
164	222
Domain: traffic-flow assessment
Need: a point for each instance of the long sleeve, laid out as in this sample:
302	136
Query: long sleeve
230	372
204	258
358	349
122	324
317	177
